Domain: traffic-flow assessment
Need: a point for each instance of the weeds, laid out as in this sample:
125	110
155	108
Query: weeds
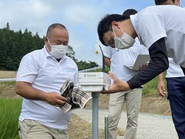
9	113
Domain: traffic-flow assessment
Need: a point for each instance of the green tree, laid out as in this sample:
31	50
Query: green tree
15	44
85	65
71	53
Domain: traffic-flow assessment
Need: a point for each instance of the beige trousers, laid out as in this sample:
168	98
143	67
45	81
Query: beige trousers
132	98
30	129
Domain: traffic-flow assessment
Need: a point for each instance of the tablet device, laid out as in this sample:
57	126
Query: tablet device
142	59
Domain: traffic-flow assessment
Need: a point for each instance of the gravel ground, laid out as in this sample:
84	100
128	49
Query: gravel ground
150	126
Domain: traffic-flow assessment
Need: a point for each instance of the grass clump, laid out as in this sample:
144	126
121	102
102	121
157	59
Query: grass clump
9	113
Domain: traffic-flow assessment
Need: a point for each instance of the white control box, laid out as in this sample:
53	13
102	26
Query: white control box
94	81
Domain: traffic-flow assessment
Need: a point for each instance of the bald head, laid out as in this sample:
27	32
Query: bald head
53	26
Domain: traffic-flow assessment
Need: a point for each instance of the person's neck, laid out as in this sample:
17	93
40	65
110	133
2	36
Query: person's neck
58	59
47	49
130	29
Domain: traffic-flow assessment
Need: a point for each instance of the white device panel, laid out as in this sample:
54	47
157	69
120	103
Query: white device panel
94	81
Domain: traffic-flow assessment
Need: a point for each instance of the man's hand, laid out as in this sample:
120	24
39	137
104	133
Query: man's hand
55	99
142	67
161	88
161	85
117	86
25	90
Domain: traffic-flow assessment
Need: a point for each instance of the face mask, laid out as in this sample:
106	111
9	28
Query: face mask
124	41
58	51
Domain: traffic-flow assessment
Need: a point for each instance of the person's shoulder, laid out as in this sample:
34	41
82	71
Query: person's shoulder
158	8
155	9
108	48
70	60
34	54
37	52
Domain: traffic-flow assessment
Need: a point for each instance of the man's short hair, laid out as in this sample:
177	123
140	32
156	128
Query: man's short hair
52	26
129	12
159	2
105	24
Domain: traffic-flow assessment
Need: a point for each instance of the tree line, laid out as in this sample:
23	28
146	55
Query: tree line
15	44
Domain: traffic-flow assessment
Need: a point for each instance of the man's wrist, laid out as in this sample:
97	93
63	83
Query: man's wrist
126	86
43	96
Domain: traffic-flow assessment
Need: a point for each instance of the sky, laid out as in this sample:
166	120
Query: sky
80	17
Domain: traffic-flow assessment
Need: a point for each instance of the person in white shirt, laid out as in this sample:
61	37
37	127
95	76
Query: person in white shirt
132	98
40	77
160	28
118	62
175	78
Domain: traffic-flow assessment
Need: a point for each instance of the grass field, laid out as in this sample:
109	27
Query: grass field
9	113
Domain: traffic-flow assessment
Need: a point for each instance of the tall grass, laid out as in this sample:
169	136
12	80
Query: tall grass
9	113
150	88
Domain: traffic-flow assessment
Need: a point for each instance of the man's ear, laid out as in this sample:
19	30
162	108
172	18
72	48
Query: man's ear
178	2
115	24
46	43
45	39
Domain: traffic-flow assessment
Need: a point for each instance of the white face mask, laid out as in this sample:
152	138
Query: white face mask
58	51
124	41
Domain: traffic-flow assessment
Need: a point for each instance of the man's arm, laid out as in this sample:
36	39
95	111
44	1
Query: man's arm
161	85
107	61
25	90
158	64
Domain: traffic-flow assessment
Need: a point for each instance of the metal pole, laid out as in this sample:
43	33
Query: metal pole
106	127
95	129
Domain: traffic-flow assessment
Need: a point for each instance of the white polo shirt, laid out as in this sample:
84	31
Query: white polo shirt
174	70
45	73
119	60
156	22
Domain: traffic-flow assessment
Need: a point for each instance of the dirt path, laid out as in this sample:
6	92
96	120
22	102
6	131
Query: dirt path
150	126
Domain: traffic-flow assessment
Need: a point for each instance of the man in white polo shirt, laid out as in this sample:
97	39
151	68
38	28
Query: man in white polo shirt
118	62
132	98
175	78
40	76
160	28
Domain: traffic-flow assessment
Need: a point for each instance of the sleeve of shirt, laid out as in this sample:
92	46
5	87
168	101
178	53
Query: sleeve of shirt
143	49
158	63
137	49
28	69
107	51
150	28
